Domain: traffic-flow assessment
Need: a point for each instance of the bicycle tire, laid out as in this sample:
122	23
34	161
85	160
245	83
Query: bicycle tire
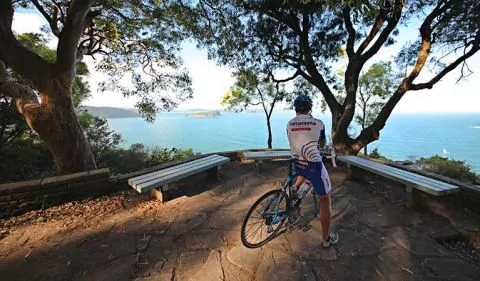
252	209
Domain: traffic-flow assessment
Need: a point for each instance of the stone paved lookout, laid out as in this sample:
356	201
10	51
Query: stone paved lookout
195	236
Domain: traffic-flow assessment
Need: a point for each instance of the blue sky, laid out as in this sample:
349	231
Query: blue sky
211	82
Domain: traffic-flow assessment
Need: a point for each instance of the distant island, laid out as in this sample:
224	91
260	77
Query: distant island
206	114
110	112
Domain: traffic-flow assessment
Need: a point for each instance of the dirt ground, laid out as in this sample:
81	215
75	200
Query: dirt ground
195	236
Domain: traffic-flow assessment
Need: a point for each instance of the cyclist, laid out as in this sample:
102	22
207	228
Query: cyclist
305	136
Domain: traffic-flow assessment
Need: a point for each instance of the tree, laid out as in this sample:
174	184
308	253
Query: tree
305	38
130	39
251	89
374	88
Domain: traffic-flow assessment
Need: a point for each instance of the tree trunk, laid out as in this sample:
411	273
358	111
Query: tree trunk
64	136
269	127
54	120
363	126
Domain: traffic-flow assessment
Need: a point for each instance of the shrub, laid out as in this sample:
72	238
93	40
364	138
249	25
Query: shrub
454	169
376	154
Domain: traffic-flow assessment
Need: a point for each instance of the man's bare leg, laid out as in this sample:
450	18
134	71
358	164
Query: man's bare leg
299	181
325	215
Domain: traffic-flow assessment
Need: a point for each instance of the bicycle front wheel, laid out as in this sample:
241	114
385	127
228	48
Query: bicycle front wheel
264	219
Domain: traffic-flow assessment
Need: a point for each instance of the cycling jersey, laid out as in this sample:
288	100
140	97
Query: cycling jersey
304	133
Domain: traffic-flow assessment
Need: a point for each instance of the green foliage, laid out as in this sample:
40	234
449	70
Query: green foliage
374	88
25	159
38	43
251	89
137	40
376	154
454	169
24	156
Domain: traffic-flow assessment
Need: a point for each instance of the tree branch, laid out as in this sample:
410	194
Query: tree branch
295	75
26	63
373	32
71	33
351	33
452	66
372	132
382	38
316	77
25	98
42	10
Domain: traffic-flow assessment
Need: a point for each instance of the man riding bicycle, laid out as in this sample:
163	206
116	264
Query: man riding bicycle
305	136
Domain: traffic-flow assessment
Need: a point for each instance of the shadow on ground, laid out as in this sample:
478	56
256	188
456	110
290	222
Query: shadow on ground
195	236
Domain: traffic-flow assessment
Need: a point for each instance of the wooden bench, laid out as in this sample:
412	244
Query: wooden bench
260	156
158	181
410	180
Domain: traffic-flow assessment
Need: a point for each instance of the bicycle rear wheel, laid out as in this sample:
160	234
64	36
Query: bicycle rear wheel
268	215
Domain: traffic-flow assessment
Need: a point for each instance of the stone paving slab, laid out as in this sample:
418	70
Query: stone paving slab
212	270
452	269
190	263
226	218
356	244
187	223
278	266
245	258
197	237
203	239
418	244
399	264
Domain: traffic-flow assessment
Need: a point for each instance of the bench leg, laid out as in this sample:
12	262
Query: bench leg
334	162
259	166
415	199
212	174
355	174
409	197
158	193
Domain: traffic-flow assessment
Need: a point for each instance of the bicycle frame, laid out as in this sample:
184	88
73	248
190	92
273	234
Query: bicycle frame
286	192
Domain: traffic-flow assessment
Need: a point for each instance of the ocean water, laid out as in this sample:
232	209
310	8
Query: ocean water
406	136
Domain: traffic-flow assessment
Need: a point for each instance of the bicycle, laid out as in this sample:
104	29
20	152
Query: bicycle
276	216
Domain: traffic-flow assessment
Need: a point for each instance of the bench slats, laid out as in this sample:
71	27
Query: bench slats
162	177
420	182
169	170
402	173
266	154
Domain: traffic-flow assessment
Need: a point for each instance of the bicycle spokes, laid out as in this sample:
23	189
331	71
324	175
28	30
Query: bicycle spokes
267	216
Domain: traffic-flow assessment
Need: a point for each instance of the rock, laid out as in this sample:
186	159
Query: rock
245	258
212	270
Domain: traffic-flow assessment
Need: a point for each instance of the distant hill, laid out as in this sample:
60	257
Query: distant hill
111	112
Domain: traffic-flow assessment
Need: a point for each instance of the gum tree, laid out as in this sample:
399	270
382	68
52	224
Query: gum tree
135	42
252	89
305	38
